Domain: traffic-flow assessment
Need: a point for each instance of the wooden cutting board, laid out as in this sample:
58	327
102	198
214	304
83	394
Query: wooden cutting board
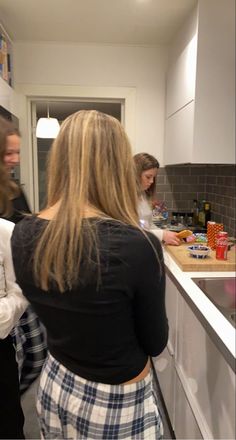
190	264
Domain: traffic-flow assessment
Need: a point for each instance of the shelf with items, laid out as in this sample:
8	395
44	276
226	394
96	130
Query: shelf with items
5	56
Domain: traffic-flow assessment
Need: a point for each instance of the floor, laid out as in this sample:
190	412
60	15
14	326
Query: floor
31	427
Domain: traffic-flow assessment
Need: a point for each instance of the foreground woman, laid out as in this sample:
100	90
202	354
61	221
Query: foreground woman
97	282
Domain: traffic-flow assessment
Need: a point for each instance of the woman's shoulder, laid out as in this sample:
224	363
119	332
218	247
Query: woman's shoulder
138	240
28	227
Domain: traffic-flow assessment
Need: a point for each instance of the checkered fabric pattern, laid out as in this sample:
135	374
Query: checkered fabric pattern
70	407
29	339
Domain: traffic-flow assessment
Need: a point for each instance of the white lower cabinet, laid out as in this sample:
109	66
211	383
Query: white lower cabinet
197	384
185	424
164	367
210	382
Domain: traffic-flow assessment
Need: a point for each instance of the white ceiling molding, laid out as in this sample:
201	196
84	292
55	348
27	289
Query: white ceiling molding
67	92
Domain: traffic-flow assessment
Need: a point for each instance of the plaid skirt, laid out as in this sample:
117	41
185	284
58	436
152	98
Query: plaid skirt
29	340
70	407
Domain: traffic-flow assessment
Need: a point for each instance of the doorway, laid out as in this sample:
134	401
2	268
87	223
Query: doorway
60	109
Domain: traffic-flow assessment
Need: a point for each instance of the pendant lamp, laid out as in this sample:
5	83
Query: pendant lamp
47	128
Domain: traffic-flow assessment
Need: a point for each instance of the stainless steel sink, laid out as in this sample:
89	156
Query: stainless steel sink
222	292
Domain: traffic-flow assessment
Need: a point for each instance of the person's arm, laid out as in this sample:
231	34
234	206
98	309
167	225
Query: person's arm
168	237
149	303
157	232
12	301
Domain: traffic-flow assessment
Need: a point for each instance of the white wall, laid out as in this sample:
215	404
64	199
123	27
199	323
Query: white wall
103	66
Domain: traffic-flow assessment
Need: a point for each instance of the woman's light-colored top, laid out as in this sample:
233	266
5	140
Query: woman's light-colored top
145	217
12	301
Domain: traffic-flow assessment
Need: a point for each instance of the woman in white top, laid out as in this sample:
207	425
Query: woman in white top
12	301
12	306
147	168
26	341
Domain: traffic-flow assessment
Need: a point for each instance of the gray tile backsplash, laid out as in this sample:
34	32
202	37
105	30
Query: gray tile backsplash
179	185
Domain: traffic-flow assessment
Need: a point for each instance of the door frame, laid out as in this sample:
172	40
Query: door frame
32	93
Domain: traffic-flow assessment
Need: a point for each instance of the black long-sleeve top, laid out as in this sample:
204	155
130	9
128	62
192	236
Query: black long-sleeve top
104	335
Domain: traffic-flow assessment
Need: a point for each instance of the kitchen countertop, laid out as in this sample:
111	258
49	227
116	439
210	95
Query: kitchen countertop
218	327
209	264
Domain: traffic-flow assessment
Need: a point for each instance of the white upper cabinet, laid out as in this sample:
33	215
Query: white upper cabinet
181	75
200	94
181	79
179	134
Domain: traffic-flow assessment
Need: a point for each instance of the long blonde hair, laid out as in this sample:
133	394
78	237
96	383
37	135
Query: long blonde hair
90	164
8	188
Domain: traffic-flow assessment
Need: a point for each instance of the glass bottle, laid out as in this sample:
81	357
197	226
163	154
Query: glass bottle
195	211
201	214
207	209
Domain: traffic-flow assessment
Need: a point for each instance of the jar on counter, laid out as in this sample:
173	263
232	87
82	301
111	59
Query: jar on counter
189	220
182	218
174	218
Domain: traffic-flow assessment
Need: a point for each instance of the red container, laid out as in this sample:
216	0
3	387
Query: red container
221	245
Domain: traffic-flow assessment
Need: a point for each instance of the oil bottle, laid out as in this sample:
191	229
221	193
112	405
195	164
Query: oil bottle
204	213
195	212
207	209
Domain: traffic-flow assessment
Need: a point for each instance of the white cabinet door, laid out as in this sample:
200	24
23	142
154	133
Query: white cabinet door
172	313
164	364
179	136
185	425
164	367
206	377
181	79
204	73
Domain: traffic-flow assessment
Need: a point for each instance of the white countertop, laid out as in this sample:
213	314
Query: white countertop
216	320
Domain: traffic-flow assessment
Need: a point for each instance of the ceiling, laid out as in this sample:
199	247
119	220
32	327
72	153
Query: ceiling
135	22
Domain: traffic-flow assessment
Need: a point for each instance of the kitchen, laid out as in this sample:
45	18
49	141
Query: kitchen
161	107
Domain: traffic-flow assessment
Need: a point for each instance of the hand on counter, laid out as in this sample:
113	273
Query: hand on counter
170	237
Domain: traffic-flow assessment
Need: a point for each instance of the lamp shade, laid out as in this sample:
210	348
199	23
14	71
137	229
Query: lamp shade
47	128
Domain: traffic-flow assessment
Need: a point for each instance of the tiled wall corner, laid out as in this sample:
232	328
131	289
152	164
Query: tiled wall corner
179	185
220	191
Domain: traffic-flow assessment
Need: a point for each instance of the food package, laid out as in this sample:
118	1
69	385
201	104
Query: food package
212	230
200	237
